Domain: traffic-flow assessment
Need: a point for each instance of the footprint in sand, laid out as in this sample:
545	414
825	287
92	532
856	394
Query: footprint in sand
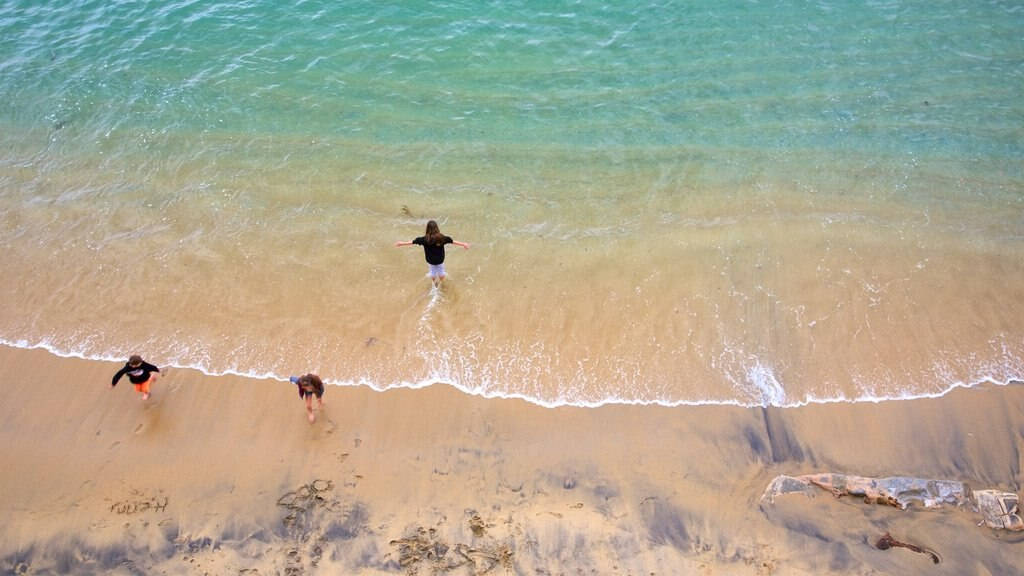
329	426
139	428
342	457
577	506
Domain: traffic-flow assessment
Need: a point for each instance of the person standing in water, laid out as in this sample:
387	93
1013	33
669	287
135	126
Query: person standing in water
141	374
433	248
310	385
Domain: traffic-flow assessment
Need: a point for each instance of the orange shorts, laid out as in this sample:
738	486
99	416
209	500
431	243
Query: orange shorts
144	387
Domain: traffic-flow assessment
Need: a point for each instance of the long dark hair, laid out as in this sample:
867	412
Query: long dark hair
433	234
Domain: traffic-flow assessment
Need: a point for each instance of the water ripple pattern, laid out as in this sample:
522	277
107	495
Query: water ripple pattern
745	203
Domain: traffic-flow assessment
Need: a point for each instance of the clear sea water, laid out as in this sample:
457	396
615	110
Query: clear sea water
675	202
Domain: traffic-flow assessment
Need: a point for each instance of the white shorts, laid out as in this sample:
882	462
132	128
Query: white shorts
437	270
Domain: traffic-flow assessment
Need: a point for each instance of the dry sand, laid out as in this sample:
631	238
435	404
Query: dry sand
224	475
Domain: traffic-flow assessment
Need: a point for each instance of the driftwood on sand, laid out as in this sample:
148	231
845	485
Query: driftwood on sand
999	510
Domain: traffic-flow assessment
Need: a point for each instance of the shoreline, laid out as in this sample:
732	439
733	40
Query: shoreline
223	474
275	378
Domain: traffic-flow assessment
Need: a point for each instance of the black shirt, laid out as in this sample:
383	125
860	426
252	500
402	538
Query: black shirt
433	252
137	374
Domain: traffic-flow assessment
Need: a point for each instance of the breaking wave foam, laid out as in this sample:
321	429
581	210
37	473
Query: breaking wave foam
771	392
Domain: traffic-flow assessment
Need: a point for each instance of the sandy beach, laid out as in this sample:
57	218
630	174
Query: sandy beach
224	475
730	283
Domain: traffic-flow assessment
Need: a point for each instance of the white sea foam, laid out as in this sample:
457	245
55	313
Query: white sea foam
771	391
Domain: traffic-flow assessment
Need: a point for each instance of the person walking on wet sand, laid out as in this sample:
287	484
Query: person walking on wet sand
309	385
433	248
141	374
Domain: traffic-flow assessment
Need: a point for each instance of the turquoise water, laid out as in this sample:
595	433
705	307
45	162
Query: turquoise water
667	202
877	77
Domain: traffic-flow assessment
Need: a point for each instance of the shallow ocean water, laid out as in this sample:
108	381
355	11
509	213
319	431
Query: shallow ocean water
666	203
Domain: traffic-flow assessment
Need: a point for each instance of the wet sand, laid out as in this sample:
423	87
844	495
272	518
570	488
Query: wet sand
224	475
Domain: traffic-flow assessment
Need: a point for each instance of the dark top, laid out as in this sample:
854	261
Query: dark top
137	374
307	380
433	252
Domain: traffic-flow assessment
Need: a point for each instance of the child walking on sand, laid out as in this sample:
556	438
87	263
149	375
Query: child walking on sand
141	374
310	385
433	248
